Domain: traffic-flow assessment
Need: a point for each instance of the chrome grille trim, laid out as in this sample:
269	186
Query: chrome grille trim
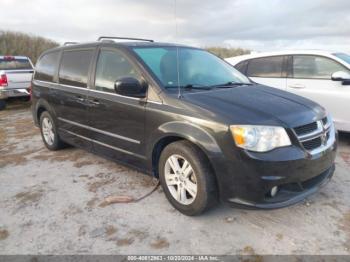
313	134
317	133
304	129
325	132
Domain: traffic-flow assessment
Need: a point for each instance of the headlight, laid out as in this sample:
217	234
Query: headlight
259	138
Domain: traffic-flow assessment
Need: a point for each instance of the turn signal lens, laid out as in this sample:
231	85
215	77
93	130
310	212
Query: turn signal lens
238	135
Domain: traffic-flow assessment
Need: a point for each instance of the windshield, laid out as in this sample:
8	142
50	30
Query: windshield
14	63
197	68
344	57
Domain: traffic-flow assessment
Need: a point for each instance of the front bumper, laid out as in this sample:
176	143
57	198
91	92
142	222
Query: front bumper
11	92
247	178
290	193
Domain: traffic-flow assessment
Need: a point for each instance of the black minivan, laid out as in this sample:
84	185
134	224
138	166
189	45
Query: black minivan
186	117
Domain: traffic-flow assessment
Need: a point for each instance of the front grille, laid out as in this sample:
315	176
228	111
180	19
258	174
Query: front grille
301	130
313	135
312	144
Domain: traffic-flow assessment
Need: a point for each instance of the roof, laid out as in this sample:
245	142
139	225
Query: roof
117	43
237	59
113	43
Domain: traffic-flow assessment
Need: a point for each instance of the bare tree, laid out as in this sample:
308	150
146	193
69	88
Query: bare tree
225	52
16	43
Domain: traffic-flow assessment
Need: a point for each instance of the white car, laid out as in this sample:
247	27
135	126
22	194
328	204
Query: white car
318	75
15	77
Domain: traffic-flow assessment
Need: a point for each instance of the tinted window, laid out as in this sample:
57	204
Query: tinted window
46	67
266	67
242	67
11	63
74	67
306	66
112	65
182	66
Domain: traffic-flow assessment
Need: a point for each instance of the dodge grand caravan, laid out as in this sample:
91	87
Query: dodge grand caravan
186	117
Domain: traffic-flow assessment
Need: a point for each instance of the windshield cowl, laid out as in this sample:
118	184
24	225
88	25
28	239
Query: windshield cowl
201	87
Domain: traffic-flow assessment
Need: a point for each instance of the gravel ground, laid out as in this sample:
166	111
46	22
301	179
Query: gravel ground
52	203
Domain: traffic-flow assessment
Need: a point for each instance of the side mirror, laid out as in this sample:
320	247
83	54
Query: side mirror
341	76
129	86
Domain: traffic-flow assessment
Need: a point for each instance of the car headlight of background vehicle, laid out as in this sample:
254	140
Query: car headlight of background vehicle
259	138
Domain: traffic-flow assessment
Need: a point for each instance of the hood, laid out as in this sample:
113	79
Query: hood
257	104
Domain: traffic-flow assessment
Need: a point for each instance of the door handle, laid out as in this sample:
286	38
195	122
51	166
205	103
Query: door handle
80	99
94	102
297	86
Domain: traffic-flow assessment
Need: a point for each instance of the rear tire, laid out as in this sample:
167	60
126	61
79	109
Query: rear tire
49	133
187	178
2	104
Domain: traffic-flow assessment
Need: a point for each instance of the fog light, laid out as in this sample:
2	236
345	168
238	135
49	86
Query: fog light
274	191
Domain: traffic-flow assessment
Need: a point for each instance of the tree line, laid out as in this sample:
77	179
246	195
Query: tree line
225	52
17	43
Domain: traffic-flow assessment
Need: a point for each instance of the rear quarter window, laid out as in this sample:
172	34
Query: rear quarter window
74	68
46	67
15	64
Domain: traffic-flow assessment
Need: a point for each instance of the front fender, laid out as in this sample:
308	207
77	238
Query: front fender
196	134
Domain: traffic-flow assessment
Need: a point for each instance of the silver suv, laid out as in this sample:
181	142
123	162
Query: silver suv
15	77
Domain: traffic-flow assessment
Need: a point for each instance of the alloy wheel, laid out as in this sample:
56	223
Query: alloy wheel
47	129
180	179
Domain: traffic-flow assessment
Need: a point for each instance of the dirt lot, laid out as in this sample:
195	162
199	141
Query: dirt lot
50	203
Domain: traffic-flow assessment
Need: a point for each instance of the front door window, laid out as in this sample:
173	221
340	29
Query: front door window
112	65
315	67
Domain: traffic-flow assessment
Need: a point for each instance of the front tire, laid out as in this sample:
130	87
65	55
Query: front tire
49	132
187	178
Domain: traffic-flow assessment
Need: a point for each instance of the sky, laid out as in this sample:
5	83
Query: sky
259	25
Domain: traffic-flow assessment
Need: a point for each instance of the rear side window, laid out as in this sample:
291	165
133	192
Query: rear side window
265	67
46	67
11	63
74	67
308	66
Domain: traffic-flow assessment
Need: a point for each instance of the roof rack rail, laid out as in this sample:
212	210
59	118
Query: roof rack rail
123	38
70	43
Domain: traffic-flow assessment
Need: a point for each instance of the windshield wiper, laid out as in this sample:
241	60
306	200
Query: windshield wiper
230	84
203	87
190	86
193	86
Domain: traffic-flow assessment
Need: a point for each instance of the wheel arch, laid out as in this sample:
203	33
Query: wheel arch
40	107
176	131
